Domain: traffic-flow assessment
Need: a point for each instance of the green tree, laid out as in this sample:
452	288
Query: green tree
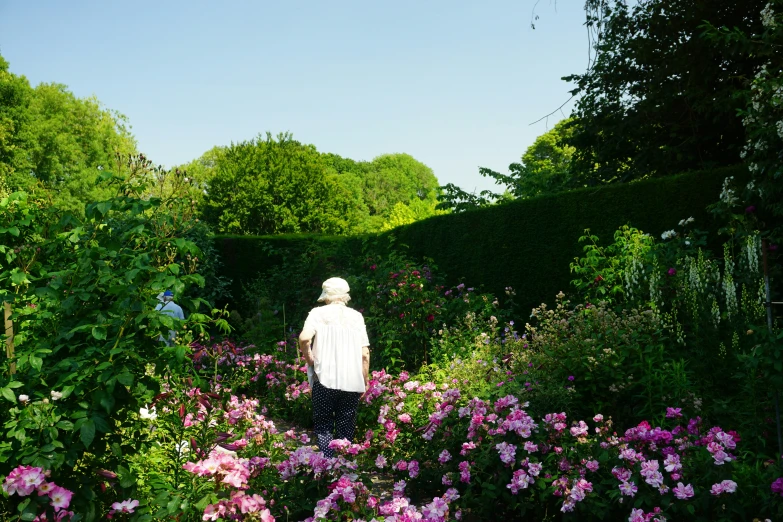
545	169
659	97
53	142
274	186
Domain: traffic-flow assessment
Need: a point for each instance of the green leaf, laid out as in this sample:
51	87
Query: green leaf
100	424
8	394
65	425
126	379
116	449
99	332
103	207
36	363
128	480
18	277
87	433
14	231
15	384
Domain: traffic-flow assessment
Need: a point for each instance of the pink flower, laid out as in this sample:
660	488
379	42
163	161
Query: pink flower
683	492
61	498
126	506
628	489
400	465
520	480
579	430
380	461
507	452
592	465
729	486
405	418
672	413
445	456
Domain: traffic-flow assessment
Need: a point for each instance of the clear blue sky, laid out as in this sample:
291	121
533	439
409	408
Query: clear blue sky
455	84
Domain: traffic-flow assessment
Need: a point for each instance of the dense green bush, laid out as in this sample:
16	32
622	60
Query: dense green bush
87	333
529	244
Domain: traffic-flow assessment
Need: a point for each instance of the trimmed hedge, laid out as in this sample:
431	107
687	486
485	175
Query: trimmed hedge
245	257
527	244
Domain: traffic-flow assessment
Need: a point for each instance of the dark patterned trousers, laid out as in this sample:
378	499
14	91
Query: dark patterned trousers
334	415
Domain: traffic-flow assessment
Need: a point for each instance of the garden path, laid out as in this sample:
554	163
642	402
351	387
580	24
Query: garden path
382	483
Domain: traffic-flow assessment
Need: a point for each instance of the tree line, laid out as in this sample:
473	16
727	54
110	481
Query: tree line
669	89
55	145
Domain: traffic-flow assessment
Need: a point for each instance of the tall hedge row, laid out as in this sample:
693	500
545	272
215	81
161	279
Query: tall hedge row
528	244
525	244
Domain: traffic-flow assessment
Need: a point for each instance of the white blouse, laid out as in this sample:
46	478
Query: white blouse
339	335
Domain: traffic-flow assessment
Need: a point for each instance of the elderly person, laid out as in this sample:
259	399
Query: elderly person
338	363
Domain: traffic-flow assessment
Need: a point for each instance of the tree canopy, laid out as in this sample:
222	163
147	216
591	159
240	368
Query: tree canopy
660	97
54	142
274	185
545	168
374	195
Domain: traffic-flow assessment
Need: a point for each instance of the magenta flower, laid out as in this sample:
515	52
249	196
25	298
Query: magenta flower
777	486
628	489
683	492
672	271
380	461
750	210
672	413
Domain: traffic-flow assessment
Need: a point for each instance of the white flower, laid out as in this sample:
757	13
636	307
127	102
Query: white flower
768	16
183	447
150	414
23	398
56	396
668	234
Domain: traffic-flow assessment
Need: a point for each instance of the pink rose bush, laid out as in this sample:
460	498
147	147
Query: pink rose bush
450	456
24	481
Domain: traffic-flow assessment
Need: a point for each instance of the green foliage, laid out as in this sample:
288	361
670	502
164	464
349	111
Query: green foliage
405	304
659	97
528	244
762	112
603	272
291	187
511	253
83	295
273	186
51	142
614	362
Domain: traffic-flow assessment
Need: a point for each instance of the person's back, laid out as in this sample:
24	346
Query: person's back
338	363
169	307
339	335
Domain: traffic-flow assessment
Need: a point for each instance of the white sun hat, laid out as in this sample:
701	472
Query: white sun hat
334	287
